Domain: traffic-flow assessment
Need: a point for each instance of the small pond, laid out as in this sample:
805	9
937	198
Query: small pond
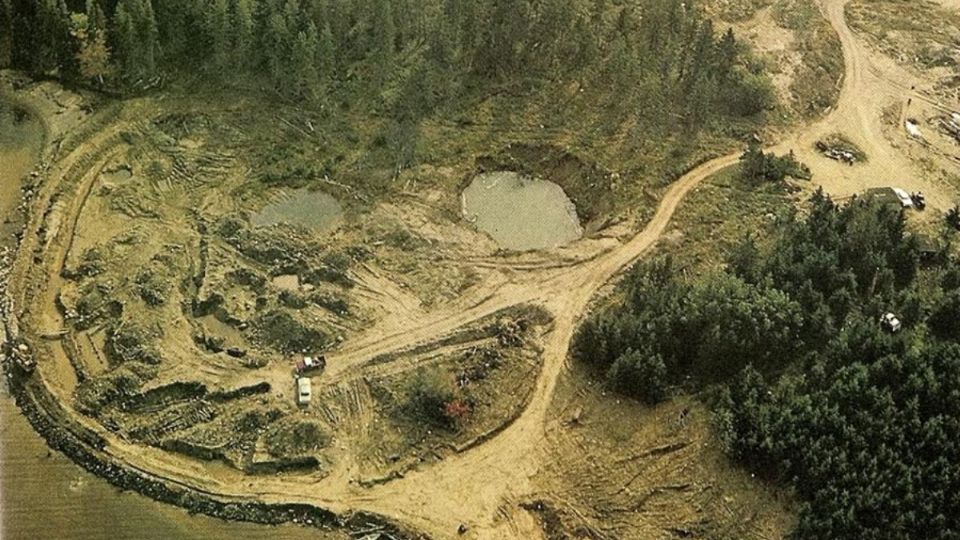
313	210
521	213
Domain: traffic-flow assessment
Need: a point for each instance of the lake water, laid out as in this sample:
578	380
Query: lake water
313	210
521	213
44	495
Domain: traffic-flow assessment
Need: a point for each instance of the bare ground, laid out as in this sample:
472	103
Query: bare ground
491	487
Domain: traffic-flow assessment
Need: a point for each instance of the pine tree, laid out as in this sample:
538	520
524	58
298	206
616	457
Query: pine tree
53	37
6	33
304	62
276	39
384	31
327	55
149	36
125	37
218	12
97	21
244	26
726	55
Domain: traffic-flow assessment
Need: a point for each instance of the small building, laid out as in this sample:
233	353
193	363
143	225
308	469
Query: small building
304	391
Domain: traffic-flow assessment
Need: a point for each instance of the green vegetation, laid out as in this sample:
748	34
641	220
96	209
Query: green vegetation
285	333
811	389
711	221
296	438
362	90
430	400
756	165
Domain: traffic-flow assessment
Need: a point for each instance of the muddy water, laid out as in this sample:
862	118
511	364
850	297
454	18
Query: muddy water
45	495
521	213
314	210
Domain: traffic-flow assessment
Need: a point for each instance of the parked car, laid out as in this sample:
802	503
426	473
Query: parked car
304	391
903	197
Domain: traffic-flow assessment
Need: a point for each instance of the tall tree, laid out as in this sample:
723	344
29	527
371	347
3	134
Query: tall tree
6	33
384	30
219	28
244	26
93	55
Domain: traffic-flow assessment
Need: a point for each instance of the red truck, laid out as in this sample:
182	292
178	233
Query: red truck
311	364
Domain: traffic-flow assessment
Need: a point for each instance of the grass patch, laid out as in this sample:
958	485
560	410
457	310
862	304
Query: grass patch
719	213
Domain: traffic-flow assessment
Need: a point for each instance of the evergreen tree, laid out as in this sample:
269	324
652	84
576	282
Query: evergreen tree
327	55
304	62
220	31
6	33
244	27
126	40
383	28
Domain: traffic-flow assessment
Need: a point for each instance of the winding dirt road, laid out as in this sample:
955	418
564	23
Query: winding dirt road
484	486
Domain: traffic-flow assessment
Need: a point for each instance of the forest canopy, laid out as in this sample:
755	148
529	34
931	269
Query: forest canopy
425	51
814	391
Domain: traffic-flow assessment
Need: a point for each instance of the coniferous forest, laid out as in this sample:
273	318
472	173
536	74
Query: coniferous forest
810	388
406	54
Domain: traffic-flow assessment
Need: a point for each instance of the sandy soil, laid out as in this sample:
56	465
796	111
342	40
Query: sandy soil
484	486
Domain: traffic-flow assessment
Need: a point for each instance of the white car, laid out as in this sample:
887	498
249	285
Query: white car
903	197
304	391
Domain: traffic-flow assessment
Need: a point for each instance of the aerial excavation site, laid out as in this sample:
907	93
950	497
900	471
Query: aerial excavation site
500	269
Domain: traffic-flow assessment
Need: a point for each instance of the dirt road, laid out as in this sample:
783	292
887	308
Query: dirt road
484	486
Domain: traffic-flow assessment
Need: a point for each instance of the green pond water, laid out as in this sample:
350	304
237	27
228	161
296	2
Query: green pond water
313	210
521	213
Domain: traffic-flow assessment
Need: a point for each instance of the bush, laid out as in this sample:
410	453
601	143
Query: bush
639	374
427	398
756	165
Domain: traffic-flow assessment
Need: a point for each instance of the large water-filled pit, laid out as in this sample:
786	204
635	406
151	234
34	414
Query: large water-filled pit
521	213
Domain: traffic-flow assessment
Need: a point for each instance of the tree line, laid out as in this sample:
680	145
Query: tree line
425	51
809	388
